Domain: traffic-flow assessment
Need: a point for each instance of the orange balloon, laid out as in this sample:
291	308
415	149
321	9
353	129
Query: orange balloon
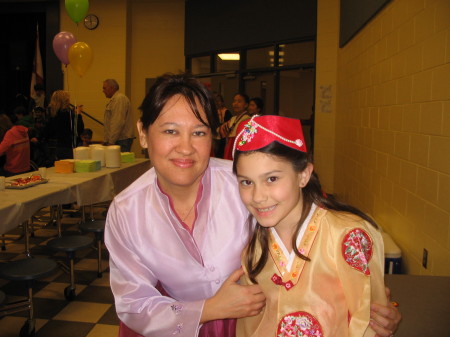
80	57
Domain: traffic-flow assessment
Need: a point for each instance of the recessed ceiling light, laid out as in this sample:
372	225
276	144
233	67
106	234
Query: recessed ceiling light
229	57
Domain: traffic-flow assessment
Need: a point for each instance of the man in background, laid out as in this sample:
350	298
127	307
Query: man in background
118	120
38	97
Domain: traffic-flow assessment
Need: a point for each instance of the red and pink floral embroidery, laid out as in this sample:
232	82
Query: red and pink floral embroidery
249	132
299	324
279	281
357	249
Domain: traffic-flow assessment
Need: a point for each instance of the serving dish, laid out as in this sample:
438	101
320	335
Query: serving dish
26	182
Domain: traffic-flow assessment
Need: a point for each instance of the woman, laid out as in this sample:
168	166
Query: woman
256	106
224	116
65	124
167	234
222	111
228	129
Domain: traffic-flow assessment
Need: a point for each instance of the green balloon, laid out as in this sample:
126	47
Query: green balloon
77	9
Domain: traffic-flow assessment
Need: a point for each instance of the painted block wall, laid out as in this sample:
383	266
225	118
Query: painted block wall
392	128
135	40
326	81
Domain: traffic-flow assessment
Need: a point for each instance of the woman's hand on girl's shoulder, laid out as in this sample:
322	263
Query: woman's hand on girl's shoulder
384	320
233	300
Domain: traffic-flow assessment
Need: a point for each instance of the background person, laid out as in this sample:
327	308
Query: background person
256	106
224	115
227	130
64	126
38	98
86	137
176	234
23	117
118	119
15	144
40	154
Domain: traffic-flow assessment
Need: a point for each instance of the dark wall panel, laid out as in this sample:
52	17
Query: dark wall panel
354	16
228	24
17	42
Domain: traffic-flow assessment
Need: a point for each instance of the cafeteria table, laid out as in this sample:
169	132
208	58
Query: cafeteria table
18	205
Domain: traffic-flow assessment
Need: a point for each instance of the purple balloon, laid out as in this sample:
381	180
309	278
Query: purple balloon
61	45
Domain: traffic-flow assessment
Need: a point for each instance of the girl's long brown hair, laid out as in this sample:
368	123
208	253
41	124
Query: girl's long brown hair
312	193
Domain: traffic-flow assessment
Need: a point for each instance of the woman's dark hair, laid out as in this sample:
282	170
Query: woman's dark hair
312	193
196	94
259	103
244	96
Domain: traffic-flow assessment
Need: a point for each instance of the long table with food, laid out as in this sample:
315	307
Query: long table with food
28	193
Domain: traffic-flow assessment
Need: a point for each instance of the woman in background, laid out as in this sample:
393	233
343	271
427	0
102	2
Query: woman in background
227	130
65	124
224	116
256	106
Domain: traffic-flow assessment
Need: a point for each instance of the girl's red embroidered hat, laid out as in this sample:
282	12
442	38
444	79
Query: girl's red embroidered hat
260	131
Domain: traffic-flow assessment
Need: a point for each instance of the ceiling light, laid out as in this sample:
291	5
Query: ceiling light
229	57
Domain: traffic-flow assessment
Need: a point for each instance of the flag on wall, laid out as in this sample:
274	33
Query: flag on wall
37	74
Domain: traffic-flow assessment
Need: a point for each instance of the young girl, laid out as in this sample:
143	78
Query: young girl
319	262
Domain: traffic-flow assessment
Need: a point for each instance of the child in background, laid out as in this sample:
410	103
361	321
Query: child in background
40	153
319	262
86	137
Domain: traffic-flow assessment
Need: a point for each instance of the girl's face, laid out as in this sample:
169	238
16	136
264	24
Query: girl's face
253	108
239	104
178	144
271	189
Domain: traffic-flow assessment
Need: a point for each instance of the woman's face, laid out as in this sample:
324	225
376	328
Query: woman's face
179	145
253	108
239	104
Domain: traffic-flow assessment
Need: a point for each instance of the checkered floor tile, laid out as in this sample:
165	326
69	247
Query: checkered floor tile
90	314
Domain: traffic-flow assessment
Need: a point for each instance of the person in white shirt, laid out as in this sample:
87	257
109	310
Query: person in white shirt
118	120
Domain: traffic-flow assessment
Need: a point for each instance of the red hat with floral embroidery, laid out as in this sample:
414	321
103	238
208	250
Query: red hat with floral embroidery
260	131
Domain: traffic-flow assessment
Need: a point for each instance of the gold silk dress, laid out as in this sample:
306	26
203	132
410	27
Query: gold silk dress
330	295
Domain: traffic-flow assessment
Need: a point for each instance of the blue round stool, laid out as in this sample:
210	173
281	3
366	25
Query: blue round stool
98	228
28	269
70	244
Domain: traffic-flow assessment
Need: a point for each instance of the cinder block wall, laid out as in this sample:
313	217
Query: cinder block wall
392	127
135	40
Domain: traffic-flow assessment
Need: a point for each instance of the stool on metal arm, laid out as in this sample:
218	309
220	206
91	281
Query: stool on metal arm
70	244
27	269
98	228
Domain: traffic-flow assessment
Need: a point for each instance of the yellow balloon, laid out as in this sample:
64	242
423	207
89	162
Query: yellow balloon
80	57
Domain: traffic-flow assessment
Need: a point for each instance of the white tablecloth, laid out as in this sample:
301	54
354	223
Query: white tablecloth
88	188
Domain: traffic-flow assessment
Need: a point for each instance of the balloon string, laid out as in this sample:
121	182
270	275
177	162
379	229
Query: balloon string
75	91
66	72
